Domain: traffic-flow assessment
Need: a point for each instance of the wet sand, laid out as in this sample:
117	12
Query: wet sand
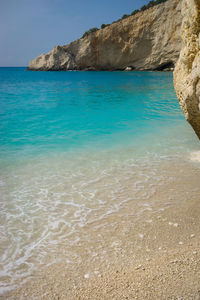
148	254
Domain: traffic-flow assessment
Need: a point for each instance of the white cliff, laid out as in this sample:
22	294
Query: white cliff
187	71
149	40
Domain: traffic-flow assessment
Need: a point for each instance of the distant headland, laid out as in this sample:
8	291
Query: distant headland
148	39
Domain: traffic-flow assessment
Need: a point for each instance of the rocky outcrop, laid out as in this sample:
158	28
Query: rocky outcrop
187	72
149	40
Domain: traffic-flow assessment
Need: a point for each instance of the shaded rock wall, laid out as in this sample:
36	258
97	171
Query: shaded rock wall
187	71
149	40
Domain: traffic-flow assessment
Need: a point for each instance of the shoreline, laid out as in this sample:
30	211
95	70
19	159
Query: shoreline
98	70
153	254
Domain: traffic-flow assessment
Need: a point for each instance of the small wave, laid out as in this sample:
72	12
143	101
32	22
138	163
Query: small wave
195	156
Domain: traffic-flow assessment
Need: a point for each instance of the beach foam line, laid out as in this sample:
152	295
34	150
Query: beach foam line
195	156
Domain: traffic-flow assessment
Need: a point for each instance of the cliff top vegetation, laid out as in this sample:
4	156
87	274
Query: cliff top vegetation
134	12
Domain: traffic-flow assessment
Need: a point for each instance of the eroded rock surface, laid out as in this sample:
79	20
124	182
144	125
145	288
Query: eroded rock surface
149	40
187	71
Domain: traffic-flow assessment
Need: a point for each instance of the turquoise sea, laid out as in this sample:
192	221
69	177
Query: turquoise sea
74	148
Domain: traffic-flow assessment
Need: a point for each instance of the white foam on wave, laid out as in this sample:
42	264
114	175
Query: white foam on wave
195	156
49	203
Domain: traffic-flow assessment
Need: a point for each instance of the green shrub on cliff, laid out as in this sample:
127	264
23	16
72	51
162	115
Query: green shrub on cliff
143	8
125	16
134	12
104	25
91	30
159	1
152	3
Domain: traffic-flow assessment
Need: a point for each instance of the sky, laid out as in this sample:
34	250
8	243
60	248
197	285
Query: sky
29	28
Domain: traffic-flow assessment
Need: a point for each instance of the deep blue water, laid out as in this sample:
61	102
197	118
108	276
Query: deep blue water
66	111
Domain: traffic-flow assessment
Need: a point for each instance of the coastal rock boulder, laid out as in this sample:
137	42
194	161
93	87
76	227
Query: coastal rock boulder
148	40
187	71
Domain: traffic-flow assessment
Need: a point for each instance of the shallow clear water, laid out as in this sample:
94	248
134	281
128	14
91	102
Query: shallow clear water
76	147
64	111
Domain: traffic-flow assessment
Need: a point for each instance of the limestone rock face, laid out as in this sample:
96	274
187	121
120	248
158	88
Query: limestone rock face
187	71
149	40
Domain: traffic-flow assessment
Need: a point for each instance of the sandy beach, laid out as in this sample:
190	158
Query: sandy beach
152	256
